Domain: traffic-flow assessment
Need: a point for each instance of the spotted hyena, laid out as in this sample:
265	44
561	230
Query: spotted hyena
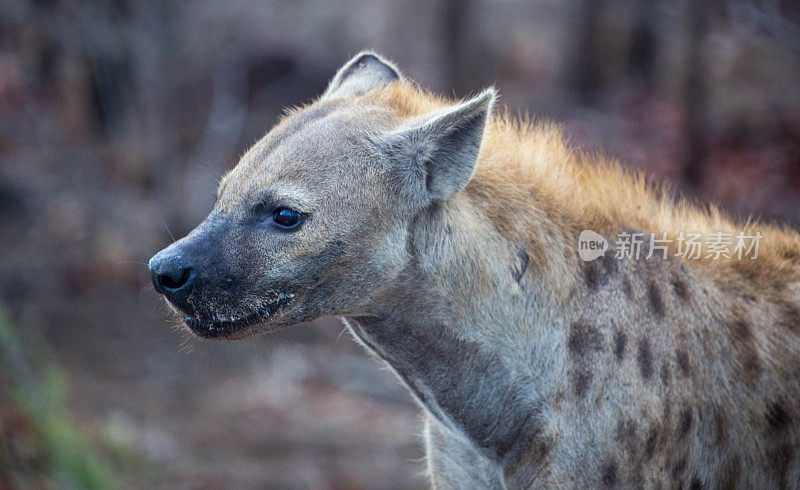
447	238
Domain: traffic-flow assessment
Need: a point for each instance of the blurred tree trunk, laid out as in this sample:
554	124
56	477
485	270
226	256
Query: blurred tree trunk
456	17
695	93
608	52
644	44
585	74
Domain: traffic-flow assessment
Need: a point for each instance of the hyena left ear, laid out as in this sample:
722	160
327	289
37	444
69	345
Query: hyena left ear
366	71
437	155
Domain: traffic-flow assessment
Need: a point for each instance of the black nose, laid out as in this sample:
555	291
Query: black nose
172	275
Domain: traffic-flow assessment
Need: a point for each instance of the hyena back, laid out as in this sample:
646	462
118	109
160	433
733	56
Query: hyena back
447	239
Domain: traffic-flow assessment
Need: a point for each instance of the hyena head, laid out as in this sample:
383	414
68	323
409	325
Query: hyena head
315	218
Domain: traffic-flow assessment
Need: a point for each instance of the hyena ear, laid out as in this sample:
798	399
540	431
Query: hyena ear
361	74
437	155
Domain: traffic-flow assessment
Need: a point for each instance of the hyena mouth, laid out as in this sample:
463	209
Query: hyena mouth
228	326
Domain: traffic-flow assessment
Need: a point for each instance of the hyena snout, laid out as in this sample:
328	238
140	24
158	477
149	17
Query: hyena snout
173	274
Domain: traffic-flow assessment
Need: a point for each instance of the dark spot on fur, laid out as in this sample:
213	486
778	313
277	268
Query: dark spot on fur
721	425
750	272
777	417
683	361
667	410
742	338
609	477
583	338
540	449
519	270
665	373
695	484
790	254
619	344
650	444
597	272
740	330
654	296
680	289
581	382
609	264
747	296
626	433
627	288
752	366
645	359
685	422
591	274
679	467
535	450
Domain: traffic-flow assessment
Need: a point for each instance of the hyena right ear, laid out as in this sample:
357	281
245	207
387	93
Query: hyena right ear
436	154
366	71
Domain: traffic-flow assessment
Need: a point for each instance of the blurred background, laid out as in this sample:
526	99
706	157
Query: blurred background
118	117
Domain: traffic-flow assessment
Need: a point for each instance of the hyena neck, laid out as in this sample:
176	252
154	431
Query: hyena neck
463	327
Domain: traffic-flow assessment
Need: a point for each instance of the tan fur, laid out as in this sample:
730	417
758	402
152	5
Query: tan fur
525	161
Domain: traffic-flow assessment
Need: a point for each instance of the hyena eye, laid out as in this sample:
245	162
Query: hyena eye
286	218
